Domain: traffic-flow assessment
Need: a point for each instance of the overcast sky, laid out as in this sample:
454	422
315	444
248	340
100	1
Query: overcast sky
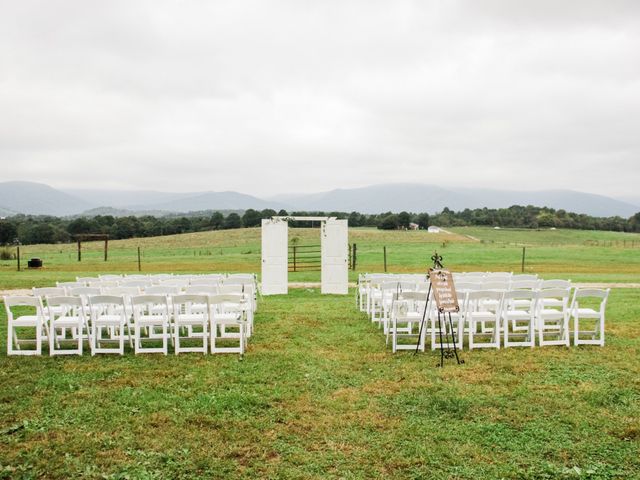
270	97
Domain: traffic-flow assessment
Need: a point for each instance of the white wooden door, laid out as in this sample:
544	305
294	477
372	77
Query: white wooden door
334	242
274	257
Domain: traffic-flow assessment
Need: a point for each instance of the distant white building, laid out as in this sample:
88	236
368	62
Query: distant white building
433	229
413	226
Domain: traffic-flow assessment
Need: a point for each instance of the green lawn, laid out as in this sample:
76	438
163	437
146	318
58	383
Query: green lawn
319	396
578	255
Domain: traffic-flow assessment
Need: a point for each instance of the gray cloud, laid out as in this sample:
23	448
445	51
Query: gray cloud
265	97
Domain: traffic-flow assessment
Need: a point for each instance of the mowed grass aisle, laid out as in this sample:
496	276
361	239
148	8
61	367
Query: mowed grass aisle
319	396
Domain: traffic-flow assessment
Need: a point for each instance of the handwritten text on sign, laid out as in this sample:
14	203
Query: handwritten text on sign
444	291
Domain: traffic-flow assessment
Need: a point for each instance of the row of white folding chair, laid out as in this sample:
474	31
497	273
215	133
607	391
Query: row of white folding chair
513	285
381	296
515	318
106	315
163	289
86	292
369	287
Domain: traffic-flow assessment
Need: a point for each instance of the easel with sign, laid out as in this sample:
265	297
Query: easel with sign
444	294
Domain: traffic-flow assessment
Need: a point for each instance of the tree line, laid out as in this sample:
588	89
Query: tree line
29	229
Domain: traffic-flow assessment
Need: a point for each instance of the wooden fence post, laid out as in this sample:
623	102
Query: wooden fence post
18	256
79	251
294	258
106	248
139	263
384	249
524	249
353	257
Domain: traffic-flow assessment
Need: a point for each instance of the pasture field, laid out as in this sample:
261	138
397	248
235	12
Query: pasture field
318	395
583	256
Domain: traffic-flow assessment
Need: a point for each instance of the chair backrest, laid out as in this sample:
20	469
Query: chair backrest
591	294
226	302
48	291
175	282
147	304
183	302
110	278
103	283
86	280
22	301
98	300
524	277
498	275
238	281
141	283
523	294
248	276
202	289
524	285
467	286
480	301
136	276
226	289
495	285
555	293
485	295
204	281
126	291
67	301
162	290
546	284
84	291
72	305
413	296
68	285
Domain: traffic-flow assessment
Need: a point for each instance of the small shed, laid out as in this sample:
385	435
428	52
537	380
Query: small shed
413	226
433	229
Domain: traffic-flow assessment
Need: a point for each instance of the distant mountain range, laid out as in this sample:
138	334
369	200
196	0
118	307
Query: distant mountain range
40	199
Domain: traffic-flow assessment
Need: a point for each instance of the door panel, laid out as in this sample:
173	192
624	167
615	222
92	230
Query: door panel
274	257
335	269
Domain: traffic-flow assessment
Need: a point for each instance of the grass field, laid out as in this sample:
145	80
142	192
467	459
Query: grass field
579	255
318	395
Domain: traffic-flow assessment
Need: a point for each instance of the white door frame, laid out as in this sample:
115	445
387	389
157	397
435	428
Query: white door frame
334	247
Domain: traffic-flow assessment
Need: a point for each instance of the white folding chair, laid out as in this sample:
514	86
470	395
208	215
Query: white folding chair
484	323
406	321
34	318
67	313
589	304
150	312
552	315
108	323
195	323
228	314
519	317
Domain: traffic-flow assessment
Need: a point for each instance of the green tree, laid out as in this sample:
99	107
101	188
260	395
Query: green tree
8	232
390	222
423	221
216	221
233	220
404	219
251	218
